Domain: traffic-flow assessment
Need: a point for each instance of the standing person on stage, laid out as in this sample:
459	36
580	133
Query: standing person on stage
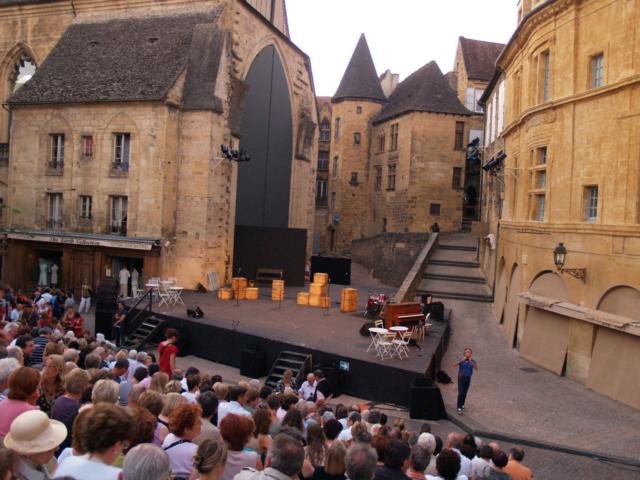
466	365
167	352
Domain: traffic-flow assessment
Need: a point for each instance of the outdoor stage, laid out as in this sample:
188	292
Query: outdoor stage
330	337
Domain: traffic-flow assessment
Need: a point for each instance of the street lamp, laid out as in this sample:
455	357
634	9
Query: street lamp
559	257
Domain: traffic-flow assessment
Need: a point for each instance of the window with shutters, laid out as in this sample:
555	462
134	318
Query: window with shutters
87	145
391	177
119	206
323	161
325	132
54	214
456	180
357	138
336	130
381	140
378	184
121	151
56	160
434	209
597	70
591	203
394	137
459	136
85	206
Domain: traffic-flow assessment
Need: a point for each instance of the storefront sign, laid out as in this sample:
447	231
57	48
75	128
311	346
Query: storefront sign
83	241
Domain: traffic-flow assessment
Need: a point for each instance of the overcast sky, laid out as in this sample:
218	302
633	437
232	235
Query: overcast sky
403	35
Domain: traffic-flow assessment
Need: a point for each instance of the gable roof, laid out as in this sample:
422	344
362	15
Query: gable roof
480	58
125	59
425	90
360	80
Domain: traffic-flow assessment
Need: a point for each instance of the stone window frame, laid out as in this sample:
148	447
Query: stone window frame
87	145
456	174
55	164
435	209
381	142
596	72
335	169
458	139
538	181
336	130
118	217
322	192
353	181
591	203
55	210
378	181
358	109
325	131
85	207
357	138
391	176
121	167
395	129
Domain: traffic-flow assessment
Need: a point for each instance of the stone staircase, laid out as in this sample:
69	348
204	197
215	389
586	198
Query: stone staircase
453	271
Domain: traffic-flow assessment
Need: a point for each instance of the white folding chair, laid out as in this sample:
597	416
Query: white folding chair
378	323
401	344
385	347
423	329
374	339
163	295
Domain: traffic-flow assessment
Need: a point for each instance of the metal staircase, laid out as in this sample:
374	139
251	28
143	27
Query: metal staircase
144	333
298	363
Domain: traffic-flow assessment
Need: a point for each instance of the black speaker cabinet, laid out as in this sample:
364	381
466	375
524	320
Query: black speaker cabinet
426	400
338	269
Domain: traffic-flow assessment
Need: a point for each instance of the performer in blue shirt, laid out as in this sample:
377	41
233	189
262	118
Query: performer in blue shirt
466	365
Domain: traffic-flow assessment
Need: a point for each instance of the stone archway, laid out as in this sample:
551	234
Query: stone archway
545	336
613	370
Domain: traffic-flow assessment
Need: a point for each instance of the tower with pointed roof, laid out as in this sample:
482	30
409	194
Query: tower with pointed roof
359	98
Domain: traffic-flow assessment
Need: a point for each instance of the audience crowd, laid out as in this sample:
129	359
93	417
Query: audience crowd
75	406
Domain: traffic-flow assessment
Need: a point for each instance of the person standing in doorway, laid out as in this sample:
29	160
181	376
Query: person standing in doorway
85	301
466	365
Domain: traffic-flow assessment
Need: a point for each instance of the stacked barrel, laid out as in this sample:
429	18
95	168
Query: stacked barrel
238	290
239	287
319	291
277	290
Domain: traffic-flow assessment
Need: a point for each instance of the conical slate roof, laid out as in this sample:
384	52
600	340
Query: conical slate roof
360	80
425	90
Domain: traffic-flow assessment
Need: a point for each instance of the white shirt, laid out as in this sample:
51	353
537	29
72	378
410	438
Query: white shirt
180	455
478	467
124	275
82	468
231	407
345	435
191	397
459	477
465	464
307	390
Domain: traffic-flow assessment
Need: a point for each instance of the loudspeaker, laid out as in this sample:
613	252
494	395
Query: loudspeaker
252	362
200	288
339	269
195	312
426	400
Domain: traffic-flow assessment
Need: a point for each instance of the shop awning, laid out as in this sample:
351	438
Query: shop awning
579	312
85	239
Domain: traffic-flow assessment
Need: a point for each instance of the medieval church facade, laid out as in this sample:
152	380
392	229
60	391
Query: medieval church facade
110	149
395	154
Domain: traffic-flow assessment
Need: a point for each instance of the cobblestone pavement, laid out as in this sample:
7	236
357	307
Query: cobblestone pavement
536	404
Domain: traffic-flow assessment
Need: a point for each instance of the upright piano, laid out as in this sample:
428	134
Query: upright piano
402	314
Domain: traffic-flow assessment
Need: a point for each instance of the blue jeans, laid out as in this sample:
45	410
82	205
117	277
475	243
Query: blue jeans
463	387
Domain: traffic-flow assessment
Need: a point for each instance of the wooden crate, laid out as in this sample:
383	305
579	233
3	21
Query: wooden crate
325	302
322	278
349	300
302	298
315	300
238	283
252	293
225	294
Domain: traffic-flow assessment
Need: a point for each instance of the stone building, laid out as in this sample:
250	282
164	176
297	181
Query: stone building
397	153
324	238
564	107
115	143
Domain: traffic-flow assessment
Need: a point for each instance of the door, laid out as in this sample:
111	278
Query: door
82	271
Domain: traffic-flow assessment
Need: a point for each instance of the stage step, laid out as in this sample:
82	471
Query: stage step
454	263
298	363
454	278
143	335
466	248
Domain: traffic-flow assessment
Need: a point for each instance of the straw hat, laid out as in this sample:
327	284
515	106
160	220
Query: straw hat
34	432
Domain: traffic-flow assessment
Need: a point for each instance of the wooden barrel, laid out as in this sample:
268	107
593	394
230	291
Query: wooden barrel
277	290
238	283
349	300
302	298
225	294
322	278
252	293
277	296
319	289
277	284
315	300
325	302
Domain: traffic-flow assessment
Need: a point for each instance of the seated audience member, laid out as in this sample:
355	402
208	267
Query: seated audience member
184	426
9	464
515	467
210	459
153	402
66	407
193	382
334	463
308	388
144	427
100	435
236	431
419	460
51	382
158	382
171	401
7	366
481	464
499	461
346	434
454	441
428	441
316	448
120	370
34	438
261	440
146	462
285	459
332	429
323	387
448	466
104	391
128	385
361	462
22	396
209	404
396	461
287	381
235	405
293	419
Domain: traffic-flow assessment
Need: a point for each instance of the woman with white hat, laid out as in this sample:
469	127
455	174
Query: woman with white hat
35	438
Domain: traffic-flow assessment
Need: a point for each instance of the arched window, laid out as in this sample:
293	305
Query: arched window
325	131
16	70
23	70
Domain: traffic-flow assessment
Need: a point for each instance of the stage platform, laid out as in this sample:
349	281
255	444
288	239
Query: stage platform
330	336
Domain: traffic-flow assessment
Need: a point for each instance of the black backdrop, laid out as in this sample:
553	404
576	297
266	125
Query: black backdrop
265	247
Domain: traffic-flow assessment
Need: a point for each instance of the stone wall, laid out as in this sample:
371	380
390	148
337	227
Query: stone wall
389	256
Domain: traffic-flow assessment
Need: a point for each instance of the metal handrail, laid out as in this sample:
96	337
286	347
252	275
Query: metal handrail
130	325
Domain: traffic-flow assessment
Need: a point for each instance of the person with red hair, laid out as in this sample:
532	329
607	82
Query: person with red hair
184	425
236	431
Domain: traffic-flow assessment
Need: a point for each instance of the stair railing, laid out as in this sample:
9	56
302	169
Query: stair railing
131	324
